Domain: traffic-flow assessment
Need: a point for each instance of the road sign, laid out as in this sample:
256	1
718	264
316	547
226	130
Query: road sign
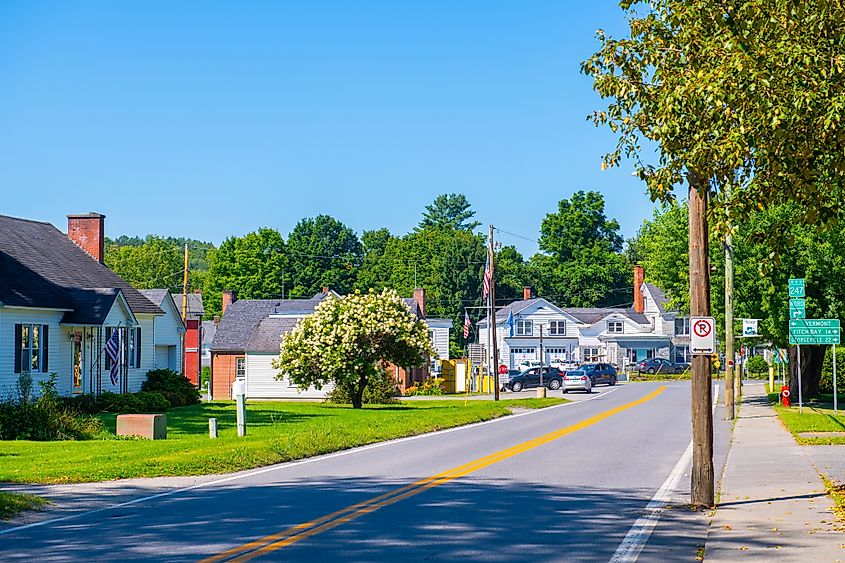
749	327
797	308
814	331
796	287
702	335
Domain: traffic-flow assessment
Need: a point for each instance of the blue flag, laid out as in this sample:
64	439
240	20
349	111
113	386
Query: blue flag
510	321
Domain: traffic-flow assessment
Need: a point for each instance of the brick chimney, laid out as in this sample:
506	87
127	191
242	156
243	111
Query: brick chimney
526	292
326	290
639	278
419	297
87	231
228	299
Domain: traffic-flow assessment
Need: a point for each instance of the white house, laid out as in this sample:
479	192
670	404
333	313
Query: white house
59	304
169	330
438	331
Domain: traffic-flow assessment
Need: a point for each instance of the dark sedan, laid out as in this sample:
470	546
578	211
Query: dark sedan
600	373
551	378
660	365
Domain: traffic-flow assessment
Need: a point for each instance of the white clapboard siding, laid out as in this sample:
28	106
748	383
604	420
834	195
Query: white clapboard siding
58	353
261	382
440	339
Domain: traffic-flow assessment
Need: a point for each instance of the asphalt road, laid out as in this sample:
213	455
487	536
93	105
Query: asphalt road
564	483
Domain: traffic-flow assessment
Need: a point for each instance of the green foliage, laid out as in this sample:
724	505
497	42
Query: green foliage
255	266
323	252
205	377
757	365
381	389
14	503
583	265
141	402
45	418
347	338
826	382
428	386
449	211
155	263
175	387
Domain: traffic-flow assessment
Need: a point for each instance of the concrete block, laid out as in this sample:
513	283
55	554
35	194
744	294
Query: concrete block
151	426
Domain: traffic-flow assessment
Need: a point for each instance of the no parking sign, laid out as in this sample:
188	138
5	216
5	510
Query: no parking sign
702	335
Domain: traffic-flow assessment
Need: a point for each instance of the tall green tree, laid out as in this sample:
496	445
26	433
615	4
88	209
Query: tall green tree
154	263
581	263
323	252
255	266
450	211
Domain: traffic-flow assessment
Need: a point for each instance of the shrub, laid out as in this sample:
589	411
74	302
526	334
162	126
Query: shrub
141	402
205	377
175	387
826	381
757	366
410	391
46	418
431	386
380	390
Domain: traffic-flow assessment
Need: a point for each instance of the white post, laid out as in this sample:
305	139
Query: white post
212	427
835	404
239	394
800	397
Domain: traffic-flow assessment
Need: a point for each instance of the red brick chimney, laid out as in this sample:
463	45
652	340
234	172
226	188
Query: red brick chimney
419	297
326	289
228	299
526	292
639	278
87	231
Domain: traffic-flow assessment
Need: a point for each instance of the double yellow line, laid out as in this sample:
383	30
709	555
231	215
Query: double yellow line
305	530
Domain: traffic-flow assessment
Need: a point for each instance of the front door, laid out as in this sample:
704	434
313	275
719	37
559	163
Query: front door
77	364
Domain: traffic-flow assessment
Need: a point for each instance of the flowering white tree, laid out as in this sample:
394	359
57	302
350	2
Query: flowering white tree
347	338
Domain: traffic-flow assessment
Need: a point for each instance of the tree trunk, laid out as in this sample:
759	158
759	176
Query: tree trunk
702	477
812	358
358	392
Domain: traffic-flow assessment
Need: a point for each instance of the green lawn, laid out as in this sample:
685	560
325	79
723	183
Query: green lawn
13	503
818	416
276	432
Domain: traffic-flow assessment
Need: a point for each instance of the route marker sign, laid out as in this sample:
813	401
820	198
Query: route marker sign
702	335
797	308
796	287
814	331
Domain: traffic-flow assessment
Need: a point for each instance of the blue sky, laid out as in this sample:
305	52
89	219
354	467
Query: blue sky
210	119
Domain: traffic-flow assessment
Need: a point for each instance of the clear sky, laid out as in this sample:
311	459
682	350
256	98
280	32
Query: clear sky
208	119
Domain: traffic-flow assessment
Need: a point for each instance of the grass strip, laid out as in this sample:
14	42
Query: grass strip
15	503
815	418
276	432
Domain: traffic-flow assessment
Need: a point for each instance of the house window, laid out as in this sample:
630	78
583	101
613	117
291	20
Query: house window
682	326
524	328
240	368
616	326
31	348
589	355
682	355
557	328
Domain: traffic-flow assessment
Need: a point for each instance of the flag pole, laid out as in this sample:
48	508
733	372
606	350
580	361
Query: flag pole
493	319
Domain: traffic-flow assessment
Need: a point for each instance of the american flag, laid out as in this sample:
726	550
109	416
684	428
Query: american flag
467	324
113	351
488	274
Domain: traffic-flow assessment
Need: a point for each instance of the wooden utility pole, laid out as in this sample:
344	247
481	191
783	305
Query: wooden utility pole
185	287
493	319
729	318
702	479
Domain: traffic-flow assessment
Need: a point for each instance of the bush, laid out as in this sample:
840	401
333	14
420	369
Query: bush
826	381
46	418
430	386
205	377
757	366
380	390
175	387
142	402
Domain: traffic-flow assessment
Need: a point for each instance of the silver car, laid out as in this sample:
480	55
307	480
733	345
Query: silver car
577	380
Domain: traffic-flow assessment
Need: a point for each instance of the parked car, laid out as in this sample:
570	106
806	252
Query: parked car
552	378
601	373
577	380
565	365
660	365
504	378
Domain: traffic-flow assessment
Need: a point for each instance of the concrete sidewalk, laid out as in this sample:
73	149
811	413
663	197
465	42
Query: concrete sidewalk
773	506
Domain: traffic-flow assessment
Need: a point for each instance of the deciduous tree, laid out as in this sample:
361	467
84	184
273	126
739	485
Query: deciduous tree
323	252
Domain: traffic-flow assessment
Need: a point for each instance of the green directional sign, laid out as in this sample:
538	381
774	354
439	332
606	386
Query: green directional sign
797	308
796	287
814	331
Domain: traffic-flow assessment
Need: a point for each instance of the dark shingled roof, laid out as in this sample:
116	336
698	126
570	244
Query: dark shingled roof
92	306
195	306
590	315
241	317
154	295
267	336
41	267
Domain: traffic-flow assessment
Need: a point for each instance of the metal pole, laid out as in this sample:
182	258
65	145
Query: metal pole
541	356
835	404
493	317
800	397
730	410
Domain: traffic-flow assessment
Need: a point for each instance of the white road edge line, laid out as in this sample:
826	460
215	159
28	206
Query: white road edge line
288	464
636	538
